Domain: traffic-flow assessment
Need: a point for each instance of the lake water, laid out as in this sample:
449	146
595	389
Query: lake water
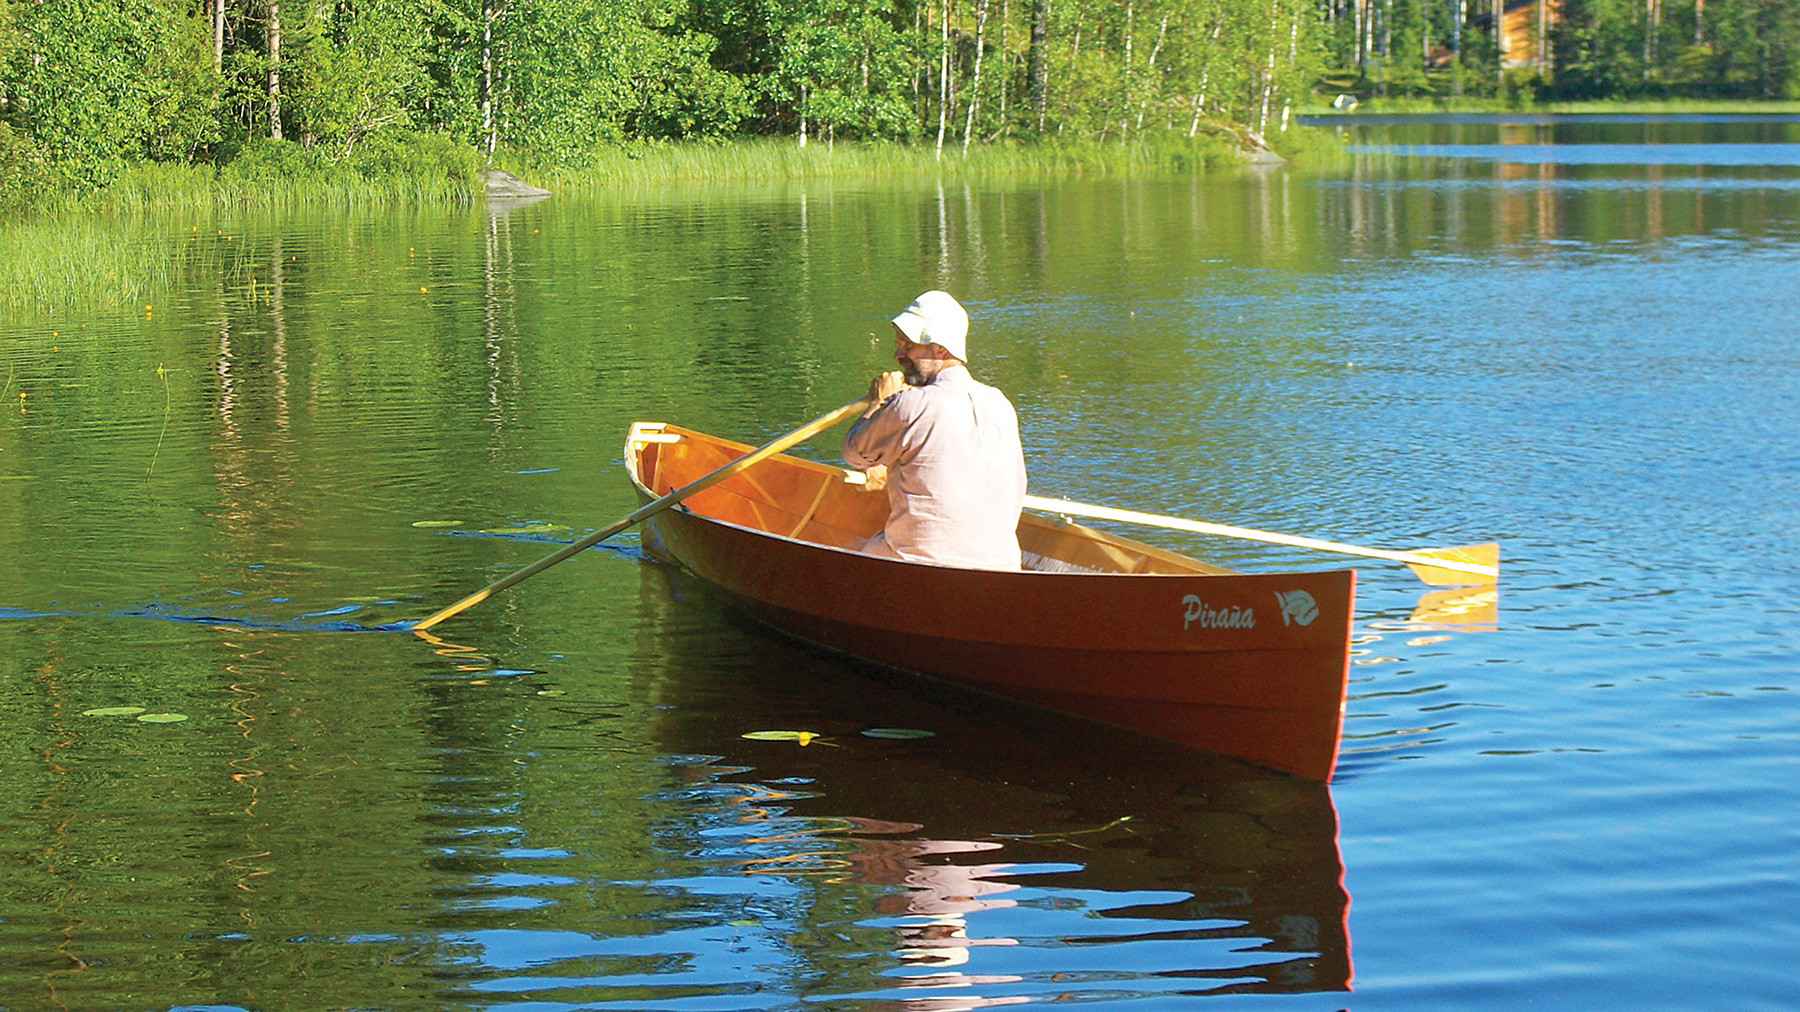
218	505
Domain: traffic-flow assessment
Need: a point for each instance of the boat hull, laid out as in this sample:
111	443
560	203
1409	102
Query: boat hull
1251	666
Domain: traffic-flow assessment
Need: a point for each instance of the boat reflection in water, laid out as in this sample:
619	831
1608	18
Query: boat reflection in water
1012	855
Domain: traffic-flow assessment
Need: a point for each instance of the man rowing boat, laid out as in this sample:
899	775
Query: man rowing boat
955	471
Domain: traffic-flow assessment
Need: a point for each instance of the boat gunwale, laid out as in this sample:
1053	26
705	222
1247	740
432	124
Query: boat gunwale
1051	525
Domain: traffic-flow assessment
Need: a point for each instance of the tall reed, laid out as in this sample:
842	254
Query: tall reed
70	262
785	159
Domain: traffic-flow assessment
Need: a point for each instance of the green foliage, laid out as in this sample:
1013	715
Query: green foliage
685	96
98	86
395	162
1757	47
1619	49
89	92
1596	42
355	71
23	173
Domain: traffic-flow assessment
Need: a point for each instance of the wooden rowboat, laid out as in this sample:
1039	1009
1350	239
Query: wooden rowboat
1251	666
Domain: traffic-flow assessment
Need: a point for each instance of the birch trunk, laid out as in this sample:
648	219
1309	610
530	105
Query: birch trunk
1127	73
487	78
943	78
1162	32
274	71
981	12
218	29
1037	62
1205	73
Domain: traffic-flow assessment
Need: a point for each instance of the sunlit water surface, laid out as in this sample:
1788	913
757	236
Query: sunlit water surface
218	507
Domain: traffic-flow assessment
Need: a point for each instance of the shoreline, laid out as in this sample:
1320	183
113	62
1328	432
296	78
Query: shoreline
80	253
1468	105
432	169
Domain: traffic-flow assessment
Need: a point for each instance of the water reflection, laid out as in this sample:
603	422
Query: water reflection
1518	150
1558	183
1574	359
1009	856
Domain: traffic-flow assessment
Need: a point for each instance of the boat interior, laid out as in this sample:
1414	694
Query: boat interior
833	506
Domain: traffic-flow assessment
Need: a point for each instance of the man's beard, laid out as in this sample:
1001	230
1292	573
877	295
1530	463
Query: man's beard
910	370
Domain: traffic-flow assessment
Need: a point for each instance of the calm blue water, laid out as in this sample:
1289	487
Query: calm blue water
1579	795
1600	154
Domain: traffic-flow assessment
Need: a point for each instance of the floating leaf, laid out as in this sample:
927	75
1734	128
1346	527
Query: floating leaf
898	733
803	737
553	692
437	523
112	711
163	718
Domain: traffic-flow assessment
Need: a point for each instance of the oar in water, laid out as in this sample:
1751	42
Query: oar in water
644	512
1440	567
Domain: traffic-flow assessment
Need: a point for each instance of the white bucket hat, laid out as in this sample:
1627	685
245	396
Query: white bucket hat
936	318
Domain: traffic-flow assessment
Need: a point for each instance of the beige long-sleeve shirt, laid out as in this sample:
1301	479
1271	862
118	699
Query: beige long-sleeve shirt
956	472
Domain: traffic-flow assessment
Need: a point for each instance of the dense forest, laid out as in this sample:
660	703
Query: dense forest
88	88
1569	50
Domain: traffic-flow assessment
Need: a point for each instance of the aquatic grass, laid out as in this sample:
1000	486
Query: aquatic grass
77	260
644	165
73	252
391	170
418	170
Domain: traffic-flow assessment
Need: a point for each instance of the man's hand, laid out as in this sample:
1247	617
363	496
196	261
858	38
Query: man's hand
875	478
882	387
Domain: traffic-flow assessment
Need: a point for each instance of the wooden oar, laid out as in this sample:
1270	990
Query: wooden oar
644	512
1439	567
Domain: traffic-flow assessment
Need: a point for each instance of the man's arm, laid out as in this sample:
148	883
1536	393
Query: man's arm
876	438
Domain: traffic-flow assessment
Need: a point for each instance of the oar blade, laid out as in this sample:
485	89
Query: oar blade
1479	555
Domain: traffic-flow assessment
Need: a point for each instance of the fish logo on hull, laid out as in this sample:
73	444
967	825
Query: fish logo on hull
1297	607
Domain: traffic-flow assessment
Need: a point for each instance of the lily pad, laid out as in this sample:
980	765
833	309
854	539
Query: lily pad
112	711
803	737
163	718
898	733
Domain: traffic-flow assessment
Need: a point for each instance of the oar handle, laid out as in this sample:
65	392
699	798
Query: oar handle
650	509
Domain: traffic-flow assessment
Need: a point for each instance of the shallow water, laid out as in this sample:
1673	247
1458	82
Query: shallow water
214	506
